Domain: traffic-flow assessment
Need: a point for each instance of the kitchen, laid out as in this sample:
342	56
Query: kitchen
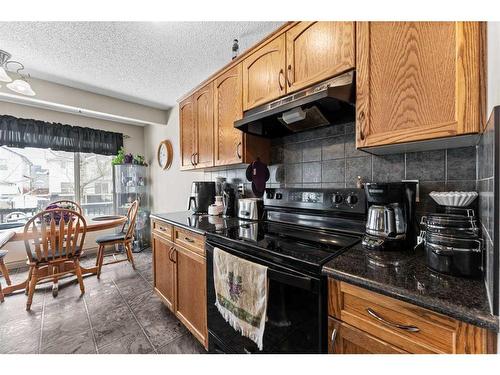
324	187
383	287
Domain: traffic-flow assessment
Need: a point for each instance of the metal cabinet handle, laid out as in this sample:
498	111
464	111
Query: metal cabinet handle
171	254
189	239
174	250
333	338
281	74
197	158
192	160
288	75
392	324
238	153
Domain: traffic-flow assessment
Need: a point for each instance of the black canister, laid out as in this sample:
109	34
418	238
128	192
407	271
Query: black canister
453	255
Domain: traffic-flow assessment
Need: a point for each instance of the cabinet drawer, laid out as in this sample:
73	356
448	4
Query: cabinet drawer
403	325
190	240
161	228
409	327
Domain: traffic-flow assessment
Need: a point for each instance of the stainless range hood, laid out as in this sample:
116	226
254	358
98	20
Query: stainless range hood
327	103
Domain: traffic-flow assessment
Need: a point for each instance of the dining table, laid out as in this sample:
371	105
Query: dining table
94	224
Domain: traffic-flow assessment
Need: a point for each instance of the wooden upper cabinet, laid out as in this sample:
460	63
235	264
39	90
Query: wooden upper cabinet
316	51
264	74
204	119
417	81
228	107
187	133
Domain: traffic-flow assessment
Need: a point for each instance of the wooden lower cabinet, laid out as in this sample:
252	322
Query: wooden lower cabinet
180	282
362	321
163	270
191	296
345	339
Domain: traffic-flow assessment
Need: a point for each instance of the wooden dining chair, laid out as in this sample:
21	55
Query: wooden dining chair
3	268
54	241
125	238
68	204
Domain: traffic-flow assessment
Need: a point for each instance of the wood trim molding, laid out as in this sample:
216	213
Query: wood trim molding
362	82
469	65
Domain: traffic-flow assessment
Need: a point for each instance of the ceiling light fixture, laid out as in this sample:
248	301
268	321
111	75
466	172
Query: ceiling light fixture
20	85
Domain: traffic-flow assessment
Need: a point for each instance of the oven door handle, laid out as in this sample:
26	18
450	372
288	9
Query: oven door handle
302	282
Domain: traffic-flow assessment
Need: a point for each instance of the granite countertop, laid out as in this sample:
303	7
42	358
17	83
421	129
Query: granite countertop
460	298
201	224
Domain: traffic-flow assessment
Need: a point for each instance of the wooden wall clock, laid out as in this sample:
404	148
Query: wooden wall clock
165	154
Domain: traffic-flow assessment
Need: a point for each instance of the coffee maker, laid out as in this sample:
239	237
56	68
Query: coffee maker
202	196
391	223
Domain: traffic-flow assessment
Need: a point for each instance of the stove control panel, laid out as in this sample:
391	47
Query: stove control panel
346	200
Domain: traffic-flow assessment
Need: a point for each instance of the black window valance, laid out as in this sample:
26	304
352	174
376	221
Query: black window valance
20	132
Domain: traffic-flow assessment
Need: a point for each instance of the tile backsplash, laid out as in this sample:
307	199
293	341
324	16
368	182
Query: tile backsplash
327	158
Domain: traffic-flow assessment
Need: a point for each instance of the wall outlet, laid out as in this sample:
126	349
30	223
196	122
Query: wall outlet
417	193
241	190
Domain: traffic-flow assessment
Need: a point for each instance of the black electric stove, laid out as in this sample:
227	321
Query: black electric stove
303	229
302	248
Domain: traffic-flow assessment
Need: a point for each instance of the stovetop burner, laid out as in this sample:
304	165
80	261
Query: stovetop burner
304	228
289	242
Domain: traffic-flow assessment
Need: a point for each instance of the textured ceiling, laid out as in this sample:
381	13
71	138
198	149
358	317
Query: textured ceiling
151	63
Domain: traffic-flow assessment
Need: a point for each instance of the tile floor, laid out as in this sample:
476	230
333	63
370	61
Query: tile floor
118	314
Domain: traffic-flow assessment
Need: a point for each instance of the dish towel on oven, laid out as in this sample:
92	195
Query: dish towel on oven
241	294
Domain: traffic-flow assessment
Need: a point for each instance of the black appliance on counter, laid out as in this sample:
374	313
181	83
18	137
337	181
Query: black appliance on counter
327	103
202	196
228	200
302	230
391	222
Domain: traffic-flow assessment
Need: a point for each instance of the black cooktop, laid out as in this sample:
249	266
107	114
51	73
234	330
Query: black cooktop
303	248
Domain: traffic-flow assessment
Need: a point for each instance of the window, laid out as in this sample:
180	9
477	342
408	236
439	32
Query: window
96	184
31	178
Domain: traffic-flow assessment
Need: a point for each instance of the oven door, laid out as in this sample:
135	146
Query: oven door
296	312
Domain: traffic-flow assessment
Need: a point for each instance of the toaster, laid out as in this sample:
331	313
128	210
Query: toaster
251	208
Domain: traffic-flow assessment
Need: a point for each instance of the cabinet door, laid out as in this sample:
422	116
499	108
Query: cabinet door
316	51
164	270
264	74
187	133
417	81
191	295
228	107
345	339
204	115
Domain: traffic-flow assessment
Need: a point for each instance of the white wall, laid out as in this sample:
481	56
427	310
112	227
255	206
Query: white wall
134	142
493	87
169	189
